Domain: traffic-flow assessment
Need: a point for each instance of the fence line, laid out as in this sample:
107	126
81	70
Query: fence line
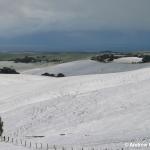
40	146
26	143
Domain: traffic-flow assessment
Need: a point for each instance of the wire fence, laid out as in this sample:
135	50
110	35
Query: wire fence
45	146
27	143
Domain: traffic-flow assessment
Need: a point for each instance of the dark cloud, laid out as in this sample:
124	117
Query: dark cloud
27	16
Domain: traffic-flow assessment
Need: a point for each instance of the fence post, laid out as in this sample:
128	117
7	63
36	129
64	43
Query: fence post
55	147
4	138
12	140
1	138
30	145
41	146
25	143
21	141
36	145
63	148
8	139
47	147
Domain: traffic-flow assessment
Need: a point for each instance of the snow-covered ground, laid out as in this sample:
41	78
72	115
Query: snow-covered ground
87	110
85	67
76	68
128	60
24	66
6	146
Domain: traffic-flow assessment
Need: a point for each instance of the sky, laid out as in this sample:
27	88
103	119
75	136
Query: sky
74	25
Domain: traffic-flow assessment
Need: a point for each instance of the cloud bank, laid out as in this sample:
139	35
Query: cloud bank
21	17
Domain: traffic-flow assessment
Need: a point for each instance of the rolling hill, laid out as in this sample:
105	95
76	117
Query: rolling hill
80	110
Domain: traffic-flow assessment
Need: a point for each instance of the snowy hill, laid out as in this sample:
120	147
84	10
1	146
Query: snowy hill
80	110
85	67
128	60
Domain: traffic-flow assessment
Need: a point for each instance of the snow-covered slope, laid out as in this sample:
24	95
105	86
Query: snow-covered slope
85	67
23	66
4	146
79	110
128	60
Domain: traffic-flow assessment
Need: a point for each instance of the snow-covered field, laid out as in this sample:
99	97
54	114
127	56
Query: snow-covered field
128	60
24	66
88	110
4	146
76	68
85	67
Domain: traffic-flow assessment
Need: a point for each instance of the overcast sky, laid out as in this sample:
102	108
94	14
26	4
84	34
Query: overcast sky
75	24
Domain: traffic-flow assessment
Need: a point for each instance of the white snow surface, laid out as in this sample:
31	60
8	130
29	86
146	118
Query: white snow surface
86	67
128	60
81	110
4	146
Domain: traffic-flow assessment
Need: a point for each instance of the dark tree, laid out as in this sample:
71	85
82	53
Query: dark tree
6	70
104	57
60	75
1	126
146	59
48	74
26	59
53	75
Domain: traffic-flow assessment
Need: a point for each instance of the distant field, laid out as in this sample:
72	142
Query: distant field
65	57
